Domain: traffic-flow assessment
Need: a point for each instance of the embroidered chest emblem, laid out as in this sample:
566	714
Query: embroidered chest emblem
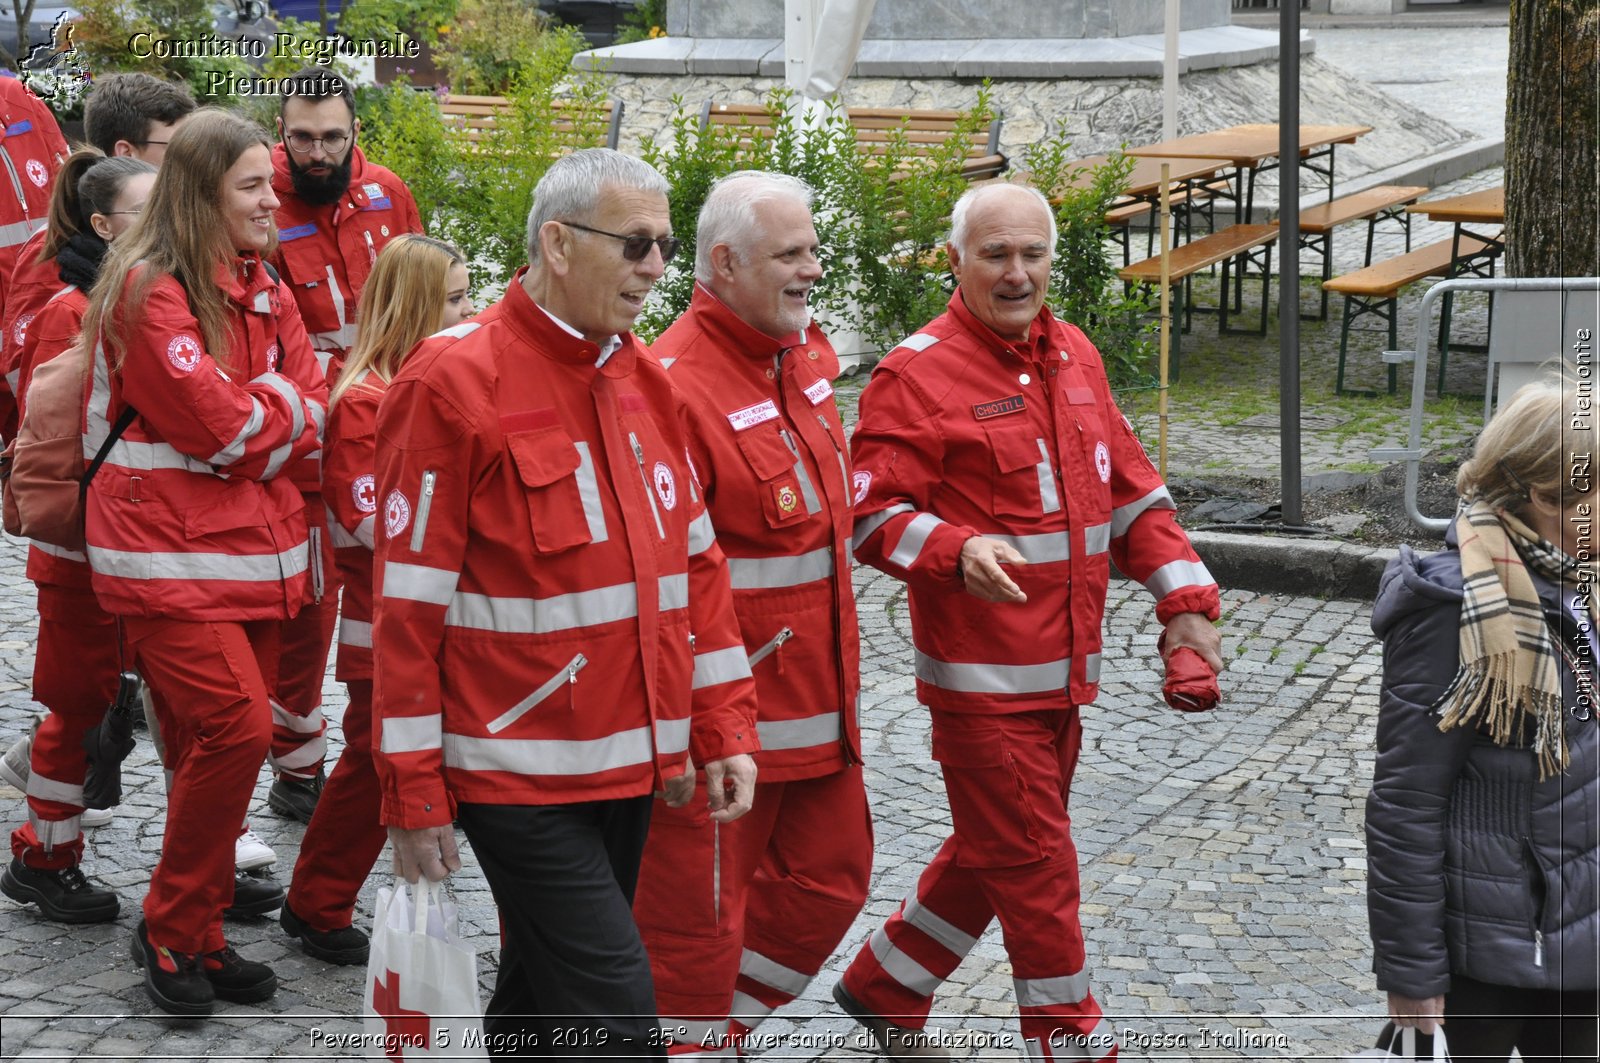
666	486
863	483
364	493
183	351
787	499
1102	462
37	173
396	513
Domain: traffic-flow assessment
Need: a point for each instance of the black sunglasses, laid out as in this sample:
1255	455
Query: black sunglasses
634	248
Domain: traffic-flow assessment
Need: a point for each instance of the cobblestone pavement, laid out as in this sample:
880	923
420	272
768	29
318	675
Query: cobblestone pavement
1222	864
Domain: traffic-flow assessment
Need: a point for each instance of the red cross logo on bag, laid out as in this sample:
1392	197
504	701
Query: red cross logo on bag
405	1029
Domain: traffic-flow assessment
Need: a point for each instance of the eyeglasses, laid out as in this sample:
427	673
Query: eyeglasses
634	248
332	143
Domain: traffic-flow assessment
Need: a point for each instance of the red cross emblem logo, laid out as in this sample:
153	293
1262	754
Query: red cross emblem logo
786	499
666	486
405	1028
364	492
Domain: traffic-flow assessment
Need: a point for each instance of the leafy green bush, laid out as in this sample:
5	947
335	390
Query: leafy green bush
429	20
644	21
492	43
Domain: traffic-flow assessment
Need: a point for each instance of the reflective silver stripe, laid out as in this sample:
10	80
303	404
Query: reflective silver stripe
701	533
47	789
552	756
672	736
1049	498
234	568
128	454
566	675
821	729
748	1010
338	339
291	397
324	358
1033	1049
984	678
903	968
19	231
771	973
418	583
355	633
920	341
1044	992
562	612
54	832
1042	549
311	752
694	1031
58	551
461	331
13	378
1097	539
865	526
666	363
319	417
761	573
807	491
252	426
343	540
346	326
913	539
1122	517
365	532
952	937
594	514
720	666
307	725
1177	574
410	734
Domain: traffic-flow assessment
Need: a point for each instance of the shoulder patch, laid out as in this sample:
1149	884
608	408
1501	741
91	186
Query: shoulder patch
920	341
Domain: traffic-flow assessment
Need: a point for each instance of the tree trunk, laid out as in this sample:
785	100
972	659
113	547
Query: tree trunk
1553	139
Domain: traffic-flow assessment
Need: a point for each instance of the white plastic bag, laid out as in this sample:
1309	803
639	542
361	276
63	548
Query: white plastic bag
1401	1043
421	998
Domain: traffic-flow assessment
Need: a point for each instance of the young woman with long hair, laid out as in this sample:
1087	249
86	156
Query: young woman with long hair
418	286
75	667
196	537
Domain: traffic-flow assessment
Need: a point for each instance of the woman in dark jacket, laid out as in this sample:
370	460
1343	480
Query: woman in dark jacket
1483	838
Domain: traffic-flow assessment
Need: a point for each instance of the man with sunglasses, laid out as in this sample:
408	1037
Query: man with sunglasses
555	636
337	211
739	919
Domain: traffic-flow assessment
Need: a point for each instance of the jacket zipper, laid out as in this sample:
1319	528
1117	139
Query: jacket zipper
649	491
424	504
318	577
773	645
1538	948
567	675
372	251
16	182
844	471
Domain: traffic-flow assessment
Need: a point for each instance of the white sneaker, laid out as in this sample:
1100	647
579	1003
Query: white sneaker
15	766
250	852
96	817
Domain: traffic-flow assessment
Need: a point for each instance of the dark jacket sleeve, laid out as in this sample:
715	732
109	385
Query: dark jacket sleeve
1416	770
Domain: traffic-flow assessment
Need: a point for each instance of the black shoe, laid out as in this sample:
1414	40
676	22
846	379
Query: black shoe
235	978
174	980
255	892
344	946
63	895
296	798
898	1043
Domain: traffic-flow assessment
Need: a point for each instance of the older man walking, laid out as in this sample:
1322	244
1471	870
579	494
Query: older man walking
739	919
995	475
554	633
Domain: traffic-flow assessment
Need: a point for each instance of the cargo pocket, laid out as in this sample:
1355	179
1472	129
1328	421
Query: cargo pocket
559	486
993	802
1024	480
773	464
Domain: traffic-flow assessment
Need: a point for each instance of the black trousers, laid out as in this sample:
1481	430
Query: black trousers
1484	1022
574	979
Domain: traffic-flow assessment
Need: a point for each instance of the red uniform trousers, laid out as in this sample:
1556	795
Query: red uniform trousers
298	729
75	668
344	838
208	682
756	906
1007	776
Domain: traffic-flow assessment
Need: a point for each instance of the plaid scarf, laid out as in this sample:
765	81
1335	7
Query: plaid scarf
1510	673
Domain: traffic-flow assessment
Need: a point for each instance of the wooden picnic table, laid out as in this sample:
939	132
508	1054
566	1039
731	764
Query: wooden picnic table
1476	241
1144	181
1252	149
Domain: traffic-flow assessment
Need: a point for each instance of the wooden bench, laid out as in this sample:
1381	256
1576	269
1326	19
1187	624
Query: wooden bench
1374	289
1383	203
1244	245
924	131
477	116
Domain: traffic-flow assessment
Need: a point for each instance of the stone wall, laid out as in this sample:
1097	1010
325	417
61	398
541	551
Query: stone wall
955	19
1099	114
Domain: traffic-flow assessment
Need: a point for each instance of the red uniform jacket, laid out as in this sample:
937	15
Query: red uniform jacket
325	253
964	433
769	451
29	287
349	489
189	517
551	599
58	324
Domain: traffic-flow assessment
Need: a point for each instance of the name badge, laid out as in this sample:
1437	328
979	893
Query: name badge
750	416
818	390
999	407
372	189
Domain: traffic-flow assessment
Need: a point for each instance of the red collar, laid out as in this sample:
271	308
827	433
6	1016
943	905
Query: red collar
554	342
731	332
1031	349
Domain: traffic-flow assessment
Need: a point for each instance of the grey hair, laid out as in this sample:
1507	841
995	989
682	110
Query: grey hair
572	187
729	214
958	216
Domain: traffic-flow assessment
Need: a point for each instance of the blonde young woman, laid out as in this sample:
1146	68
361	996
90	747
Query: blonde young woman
418	286
197	540
1483	885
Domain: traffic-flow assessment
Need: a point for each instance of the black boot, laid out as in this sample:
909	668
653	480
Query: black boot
296	798
63	895
235	978
255	892
174	980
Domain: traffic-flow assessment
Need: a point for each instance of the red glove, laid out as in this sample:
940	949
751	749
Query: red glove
1191	685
